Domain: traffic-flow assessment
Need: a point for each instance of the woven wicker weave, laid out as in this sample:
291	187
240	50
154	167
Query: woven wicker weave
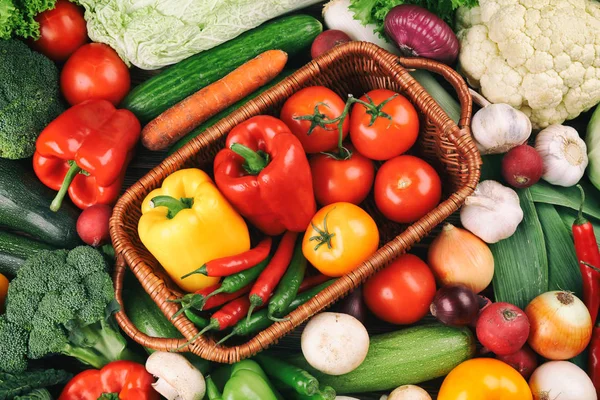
354	68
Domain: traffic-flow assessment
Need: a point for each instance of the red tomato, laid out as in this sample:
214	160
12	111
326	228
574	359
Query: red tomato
95	71
384	138
329	105
62	31
407	188
336	181
401	292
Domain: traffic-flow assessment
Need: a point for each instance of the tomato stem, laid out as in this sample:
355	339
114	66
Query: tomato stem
317	119
324	236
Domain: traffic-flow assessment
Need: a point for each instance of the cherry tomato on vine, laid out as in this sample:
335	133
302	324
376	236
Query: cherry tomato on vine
339	238
95	71
304	113
401	292
394	129
336	180
407	188
62	31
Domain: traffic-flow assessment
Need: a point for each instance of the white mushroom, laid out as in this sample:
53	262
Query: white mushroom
178	379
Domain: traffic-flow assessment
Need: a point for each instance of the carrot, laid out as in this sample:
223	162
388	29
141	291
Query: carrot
189	113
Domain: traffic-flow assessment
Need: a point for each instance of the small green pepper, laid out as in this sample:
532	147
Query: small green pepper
245	384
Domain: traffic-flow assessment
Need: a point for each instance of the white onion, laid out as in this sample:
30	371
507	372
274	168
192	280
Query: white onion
561	380
409	392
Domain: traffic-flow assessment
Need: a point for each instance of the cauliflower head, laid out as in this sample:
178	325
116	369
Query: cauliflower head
540	56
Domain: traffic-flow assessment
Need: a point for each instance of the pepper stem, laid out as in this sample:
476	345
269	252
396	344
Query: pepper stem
172	204
188	301
226	338
256	161
590	266
580	218
202	270
255	301
324	236
74	169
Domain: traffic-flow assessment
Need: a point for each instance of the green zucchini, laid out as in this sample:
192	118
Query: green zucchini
147	317
407	356
290	34
15	249
216	118
25	207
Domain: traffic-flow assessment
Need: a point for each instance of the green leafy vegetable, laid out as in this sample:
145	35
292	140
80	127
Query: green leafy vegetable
37	394
543	192
520	262
24	383
374	11
17	17
568	216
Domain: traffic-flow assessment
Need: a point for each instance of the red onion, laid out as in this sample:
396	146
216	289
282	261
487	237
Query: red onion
455	305
419	32
354	305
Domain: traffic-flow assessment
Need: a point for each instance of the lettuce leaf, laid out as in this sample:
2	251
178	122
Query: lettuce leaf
374	11
17	17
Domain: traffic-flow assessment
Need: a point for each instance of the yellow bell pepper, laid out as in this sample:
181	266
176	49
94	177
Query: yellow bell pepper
188	222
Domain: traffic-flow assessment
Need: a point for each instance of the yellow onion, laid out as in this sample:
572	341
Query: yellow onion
561	326
457	256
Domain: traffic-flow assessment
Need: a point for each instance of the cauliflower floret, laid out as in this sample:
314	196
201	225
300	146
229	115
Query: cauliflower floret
539	56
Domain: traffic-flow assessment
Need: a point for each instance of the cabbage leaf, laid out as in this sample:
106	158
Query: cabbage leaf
151	34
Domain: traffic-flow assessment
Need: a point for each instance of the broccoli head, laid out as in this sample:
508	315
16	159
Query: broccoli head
29	98
61	302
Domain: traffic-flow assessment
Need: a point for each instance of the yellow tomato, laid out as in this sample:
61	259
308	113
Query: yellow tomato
3	291
484	379
339	238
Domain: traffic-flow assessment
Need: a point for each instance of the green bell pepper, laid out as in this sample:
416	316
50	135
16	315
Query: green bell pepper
248	382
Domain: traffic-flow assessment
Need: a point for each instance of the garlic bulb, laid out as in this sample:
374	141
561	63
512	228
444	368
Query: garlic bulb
564	155
492	213
497	128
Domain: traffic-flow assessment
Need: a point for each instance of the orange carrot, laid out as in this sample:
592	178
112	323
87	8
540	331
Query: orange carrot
183	117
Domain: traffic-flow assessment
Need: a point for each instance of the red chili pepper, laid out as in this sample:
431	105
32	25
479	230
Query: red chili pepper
587	251
85	151
128	379
594	364
264	173
312	281
270	277
231	265
199	301
229	315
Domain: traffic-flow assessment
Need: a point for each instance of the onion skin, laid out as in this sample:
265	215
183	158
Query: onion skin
455	305
503	328
419	32
525	361
561	380
561	326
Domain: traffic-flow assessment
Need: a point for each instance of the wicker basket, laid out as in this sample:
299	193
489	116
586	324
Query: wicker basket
352	68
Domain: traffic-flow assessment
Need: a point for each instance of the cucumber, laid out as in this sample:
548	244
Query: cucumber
407	356
25	207
217	117
147	317
15	249
290	34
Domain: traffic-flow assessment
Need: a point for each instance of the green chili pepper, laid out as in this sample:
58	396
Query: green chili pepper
248	382
260	320
197	320
288	286
296	378
212	391
326	393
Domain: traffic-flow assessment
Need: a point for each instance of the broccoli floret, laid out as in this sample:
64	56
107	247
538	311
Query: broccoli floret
29	98
73	316
13	346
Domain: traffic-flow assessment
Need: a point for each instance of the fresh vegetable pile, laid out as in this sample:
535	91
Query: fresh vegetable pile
502	300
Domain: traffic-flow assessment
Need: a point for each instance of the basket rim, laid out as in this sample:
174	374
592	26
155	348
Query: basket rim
393	66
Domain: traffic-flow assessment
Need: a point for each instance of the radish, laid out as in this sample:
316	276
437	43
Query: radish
334	343
328	40
522	166
92	225
525	361
503	328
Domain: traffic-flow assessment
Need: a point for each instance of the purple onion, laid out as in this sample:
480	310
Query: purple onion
354	305
419	32
455	305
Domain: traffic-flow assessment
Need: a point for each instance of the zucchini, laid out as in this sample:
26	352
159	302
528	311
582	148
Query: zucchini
217	117
592	140
25	207
147	317
407	356
15	249
290	34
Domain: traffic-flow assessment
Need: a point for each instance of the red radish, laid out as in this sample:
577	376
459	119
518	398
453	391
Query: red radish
503	328
92	225
328	40
522	166
525	361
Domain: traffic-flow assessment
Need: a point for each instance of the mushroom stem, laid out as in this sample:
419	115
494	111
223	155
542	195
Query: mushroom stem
165	390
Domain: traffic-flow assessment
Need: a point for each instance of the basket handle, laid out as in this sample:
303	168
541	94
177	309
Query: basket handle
452	77
161	344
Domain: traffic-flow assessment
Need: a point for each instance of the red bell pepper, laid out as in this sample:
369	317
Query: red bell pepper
85	151
264	173
126	379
